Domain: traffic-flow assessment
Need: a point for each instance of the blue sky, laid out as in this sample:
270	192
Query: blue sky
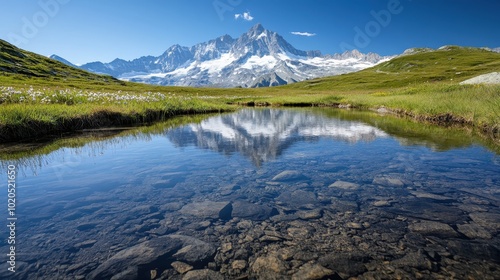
90	30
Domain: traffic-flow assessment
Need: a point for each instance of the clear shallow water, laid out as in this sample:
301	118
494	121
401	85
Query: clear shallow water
262	193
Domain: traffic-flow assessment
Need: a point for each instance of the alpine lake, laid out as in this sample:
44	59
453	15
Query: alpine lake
256	194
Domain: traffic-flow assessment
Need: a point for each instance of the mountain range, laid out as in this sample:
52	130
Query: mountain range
258	58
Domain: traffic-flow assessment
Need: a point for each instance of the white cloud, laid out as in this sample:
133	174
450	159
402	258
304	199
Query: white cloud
244	16
304	34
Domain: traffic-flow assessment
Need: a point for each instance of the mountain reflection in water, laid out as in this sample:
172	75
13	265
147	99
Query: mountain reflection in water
263	135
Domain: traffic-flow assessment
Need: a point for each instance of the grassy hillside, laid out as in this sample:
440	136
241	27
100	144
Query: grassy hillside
449	65
17	66
41	96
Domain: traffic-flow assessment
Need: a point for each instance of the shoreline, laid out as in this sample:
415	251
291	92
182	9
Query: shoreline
33	131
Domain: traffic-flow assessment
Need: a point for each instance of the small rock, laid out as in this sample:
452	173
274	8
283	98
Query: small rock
226	247
208	209
193	250
344	185
267	238
354	225
286	253
414	259
487	220
474	231
434	229
309	215
298	198
239	264
203	274
251	211
388	181
289	175
296	232
203	225
245	224
172	206
345	264
312	272
85	244
127	262
269	267
419	194
181	267
382	203
473	250
153	273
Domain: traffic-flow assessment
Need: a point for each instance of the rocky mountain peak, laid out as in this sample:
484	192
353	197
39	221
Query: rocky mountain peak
256	30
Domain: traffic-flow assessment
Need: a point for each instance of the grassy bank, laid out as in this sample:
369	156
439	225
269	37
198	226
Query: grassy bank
36	112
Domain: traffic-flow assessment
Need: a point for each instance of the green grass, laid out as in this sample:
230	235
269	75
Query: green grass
40	96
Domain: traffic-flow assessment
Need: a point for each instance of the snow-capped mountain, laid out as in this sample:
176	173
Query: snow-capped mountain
257	58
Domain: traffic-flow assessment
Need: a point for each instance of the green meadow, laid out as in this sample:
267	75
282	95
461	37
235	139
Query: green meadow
41	97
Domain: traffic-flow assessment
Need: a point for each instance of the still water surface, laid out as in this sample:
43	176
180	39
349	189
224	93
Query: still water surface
264	194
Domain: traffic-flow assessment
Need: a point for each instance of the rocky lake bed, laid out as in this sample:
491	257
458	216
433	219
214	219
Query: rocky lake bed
359	206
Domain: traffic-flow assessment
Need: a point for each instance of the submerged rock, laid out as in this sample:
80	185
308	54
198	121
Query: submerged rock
345	264
414	259
388	181
344	185
298	198
239	264
473	231
132	263
268	267
208	209
251	211
194	251
474	251
487	220
203	274
181	267
434	229
312	272
420	194
289	175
